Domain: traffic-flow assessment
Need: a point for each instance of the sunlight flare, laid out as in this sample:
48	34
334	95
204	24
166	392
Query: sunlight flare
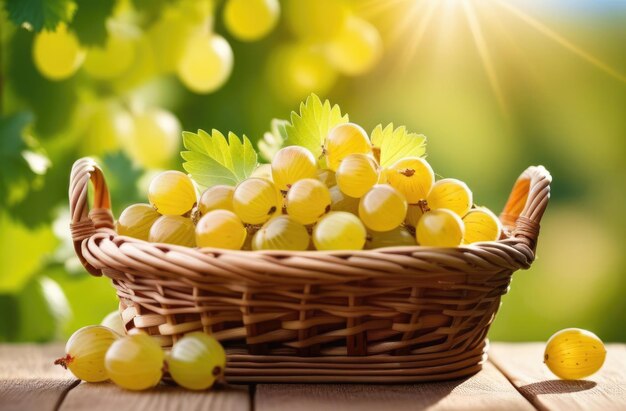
551	34
483	52
415	38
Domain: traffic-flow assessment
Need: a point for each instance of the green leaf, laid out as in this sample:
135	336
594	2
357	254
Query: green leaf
89	22
39	14
122	176
150	10
273	140
50	189
23	162
13	144
86	307
22	251
398	143
43	309
310	127
9	312
245	151
38	92
212	159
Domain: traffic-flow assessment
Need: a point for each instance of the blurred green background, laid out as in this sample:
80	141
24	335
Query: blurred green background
495	85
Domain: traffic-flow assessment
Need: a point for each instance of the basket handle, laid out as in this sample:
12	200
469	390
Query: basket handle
526	204
85	222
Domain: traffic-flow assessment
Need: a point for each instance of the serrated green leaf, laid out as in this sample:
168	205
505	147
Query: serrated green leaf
309	127
273	140
212	159
192	141
39	14
206	171
279	128
217	147
245	151
89	22
398	143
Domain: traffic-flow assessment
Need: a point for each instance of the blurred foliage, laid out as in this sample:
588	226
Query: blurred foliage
495	86
39	14
89	22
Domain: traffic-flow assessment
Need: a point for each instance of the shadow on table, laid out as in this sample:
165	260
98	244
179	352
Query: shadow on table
557	387
360	397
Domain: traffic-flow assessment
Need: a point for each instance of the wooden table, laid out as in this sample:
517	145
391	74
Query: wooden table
514	378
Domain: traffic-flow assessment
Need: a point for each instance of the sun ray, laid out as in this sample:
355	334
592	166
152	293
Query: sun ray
370	8
507	47
483	52
551	34
412	38
402	27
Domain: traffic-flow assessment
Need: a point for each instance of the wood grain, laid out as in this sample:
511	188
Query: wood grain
29	380
487	390
522	364
107	396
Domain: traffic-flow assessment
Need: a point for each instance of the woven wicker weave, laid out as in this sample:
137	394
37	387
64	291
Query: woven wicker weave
389	315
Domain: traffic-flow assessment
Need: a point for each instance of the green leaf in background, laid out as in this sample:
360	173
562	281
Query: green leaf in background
90	298
9	312
89	22
43	310
310	127
151	10
122	177
212	159
51	102
14	171
39	14
22	251
38	205
22	161
398	143
273	140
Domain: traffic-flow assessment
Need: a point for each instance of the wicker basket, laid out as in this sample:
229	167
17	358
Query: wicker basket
390	315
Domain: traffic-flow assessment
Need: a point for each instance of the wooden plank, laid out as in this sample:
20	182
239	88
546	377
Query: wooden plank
28	378
487	390
107	396
30	381
523	365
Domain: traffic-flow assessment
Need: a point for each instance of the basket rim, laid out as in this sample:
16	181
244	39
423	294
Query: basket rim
520	220
505	243
337	253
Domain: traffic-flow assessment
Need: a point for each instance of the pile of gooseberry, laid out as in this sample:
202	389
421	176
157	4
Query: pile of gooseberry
136	361
293	203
